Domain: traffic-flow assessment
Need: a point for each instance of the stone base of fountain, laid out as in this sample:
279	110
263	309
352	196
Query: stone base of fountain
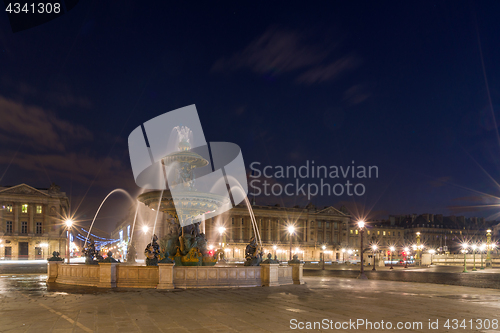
170	276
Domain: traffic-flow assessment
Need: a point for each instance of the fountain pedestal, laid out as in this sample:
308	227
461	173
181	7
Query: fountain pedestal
297	273
52	270
165	276
107	275
269	275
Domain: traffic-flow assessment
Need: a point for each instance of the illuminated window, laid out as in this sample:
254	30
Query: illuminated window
384	232
24	208
39	209
9	208
351	231
378	232
356	232
368	231
389	233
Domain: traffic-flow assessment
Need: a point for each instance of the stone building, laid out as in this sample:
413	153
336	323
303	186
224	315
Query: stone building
314	228
31	221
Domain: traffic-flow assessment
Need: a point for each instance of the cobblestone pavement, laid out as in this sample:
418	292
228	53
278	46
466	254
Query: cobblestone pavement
28	305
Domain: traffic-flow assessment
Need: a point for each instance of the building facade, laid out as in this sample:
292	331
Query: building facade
31	222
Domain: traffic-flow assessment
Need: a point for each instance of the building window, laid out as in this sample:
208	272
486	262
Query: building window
38	209
399	233
319	224
242	221
9	208
368	231
8	228
351	231
356	231
24	227
24	208
39	228
327	225
389	233
384	232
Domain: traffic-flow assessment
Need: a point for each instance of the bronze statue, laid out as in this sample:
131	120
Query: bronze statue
252	254
90	253
152	252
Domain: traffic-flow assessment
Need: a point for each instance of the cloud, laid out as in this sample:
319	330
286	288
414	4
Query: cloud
36	125
441	181
80	167
356	94
328	72
280	51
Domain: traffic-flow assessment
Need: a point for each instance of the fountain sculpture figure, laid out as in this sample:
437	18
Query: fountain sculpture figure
185	245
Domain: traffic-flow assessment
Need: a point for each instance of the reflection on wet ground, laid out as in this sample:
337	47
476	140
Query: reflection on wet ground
437	275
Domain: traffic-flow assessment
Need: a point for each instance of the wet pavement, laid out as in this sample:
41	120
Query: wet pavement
27	304
451	275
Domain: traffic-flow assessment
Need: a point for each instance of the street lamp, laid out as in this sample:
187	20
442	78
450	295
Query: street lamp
323	247
68	223
432	251
482	248
392	249
407	249
361	226
488	248
374	248
464	250
291	230
418	248
474	247
221	230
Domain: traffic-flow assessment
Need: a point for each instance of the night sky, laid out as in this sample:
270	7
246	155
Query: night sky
410	87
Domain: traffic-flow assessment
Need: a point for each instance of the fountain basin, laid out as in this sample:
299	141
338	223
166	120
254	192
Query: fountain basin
169	276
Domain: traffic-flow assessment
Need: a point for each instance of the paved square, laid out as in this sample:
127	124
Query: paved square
33	308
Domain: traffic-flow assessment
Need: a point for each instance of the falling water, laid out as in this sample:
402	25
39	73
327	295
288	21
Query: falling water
250	212
156	218
133	224
115	190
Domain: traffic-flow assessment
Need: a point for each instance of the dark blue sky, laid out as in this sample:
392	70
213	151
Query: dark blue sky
412	88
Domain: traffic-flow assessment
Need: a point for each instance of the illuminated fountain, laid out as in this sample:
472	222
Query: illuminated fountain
183	260
185	245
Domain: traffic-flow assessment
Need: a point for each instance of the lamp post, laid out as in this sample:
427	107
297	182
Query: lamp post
374	248
68	223
323	247
417	256
221	230
361	225
464	250
482	248
407	249
488	248
392	249
291	230
474	247
432	251
343	256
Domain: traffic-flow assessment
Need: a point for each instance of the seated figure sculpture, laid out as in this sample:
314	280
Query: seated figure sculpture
90	253
252	254
152	252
